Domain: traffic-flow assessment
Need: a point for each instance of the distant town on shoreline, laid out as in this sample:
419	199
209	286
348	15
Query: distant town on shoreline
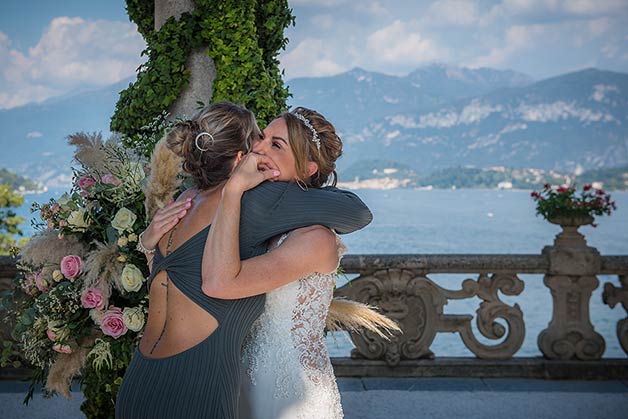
375	174
378	174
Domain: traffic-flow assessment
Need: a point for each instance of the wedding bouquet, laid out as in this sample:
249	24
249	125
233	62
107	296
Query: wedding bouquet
79	303
555	201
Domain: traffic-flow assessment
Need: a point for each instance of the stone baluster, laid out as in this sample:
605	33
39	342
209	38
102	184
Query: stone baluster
571	278
613	295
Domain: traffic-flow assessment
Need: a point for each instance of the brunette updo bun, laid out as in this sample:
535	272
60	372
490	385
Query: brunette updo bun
209	162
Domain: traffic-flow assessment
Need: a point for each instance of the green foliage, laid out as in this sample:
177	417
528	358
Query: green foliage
613	178
243	38
9	221
100	386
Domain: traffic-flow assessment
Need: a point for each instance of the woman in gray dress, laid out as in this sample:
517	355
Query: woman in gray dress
188	361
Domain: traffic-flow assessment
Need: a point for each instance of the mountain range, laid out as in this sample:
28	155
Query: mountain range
436	117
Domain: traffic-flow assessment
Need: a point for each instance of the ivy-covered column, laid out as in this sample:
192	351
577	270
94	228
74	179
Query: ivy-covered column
199	64
203	51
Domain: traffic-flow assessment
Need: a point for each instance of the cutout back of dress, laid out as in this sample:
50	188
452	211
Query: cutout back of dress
176	322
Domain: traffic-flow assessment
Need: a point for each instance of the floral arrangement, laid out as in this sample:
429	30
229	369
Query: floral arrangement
555	200
79	303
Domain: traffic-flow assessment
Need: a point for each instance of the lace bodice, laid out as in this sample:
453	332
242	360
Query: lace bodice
287	344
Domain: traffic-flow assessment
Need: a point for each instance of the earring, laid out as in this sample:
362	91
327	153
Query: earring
301	184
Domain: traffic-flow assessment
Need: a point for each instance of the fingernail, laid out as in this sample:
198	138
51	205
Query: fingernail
276	173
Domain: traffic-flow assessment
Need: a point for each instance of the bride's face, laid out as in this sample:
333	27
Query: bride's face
275	144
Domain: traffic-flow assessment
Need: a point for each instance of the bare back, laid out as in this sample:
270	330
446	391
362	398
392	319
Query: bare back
176	323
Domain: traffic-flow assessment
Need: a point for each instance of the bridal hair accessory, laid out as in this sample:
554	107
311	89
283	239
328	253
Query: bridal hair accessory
199	136
307	123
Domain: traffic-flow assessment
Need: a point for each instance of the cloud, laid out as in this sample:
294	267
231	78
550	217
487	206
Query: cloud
72	53
452	13
400	47
311	58
516	38
34	134
538	11
560	110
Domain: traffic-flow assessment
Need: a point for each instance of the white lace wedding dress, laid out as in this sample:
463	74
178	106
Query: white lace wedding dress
289	373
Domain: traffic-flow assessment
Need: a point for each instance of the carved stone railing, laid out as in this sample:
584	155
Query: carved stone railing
400	286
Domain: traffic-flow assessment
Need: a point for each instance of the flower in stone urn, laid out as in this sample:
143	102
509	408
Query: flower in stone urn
560	205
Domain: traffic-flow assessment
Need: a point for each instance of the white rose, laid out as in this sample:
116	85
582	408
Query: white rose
64	200
77	221
96	315
133	318
132	278
123	220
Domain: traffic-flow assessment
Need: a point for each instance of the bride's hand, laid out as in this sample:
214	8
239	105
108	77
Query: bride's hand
252	170
164	220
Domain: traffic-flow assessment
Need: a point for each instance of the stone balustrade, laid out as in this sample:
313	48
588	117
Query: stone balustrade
401	287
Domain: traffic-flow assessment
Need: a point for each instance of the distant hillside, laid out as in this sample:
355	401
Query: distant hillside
17	182
614	178
570	123
435	118
381	174
353	99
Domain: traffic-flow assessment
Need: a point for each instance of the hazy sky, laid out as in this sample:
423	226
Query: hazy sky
50	48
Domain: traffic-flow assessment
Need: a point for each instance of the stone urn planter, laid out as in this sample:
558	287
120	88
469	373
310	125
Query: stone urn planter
570	237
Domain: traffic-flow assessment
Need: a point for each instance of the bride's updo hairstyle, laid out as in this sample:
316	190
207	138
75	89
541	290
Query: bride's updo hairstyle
303	144
210	141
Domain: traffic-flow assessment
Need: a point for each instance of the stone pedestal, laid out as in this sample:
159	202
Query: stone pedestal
571	279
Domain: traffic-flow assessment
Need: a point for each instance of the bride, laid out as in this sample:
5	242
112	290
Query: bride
285	357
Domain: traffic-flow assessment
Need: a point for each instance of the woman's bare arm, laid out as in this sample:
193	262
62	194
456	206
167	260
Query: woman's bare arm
225	276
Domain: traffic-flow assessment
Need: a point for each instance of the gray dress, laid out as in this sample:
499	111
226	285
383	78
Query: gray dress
204	380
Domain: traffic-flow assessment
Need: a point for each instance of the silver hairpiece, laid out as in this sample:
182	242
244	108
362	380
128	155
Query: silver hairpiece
307	123
200	135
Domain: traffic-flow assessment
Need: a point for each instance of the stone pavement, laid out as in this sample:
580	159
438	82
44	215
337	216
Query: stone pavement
400	398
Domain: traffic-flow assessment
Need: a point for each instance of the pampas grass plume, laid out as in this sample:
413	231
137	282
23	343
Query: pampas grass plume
165	179
353	316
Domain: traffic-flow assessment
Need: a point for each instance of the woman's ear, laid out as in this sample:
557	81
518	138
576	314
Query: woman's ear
238	158
312	168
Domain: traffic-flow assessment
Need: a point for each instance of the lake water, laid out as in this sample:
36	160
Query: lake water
475	221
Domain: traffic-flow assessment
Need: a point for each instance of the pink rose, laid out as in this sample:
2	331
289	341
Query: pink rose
92	298
112	323
40	282
110	179
63	223
29	280
62	349
71	266
86	181
55	208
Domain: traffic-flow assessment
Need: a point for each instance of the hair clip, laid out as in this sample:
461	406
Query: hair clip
201	135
